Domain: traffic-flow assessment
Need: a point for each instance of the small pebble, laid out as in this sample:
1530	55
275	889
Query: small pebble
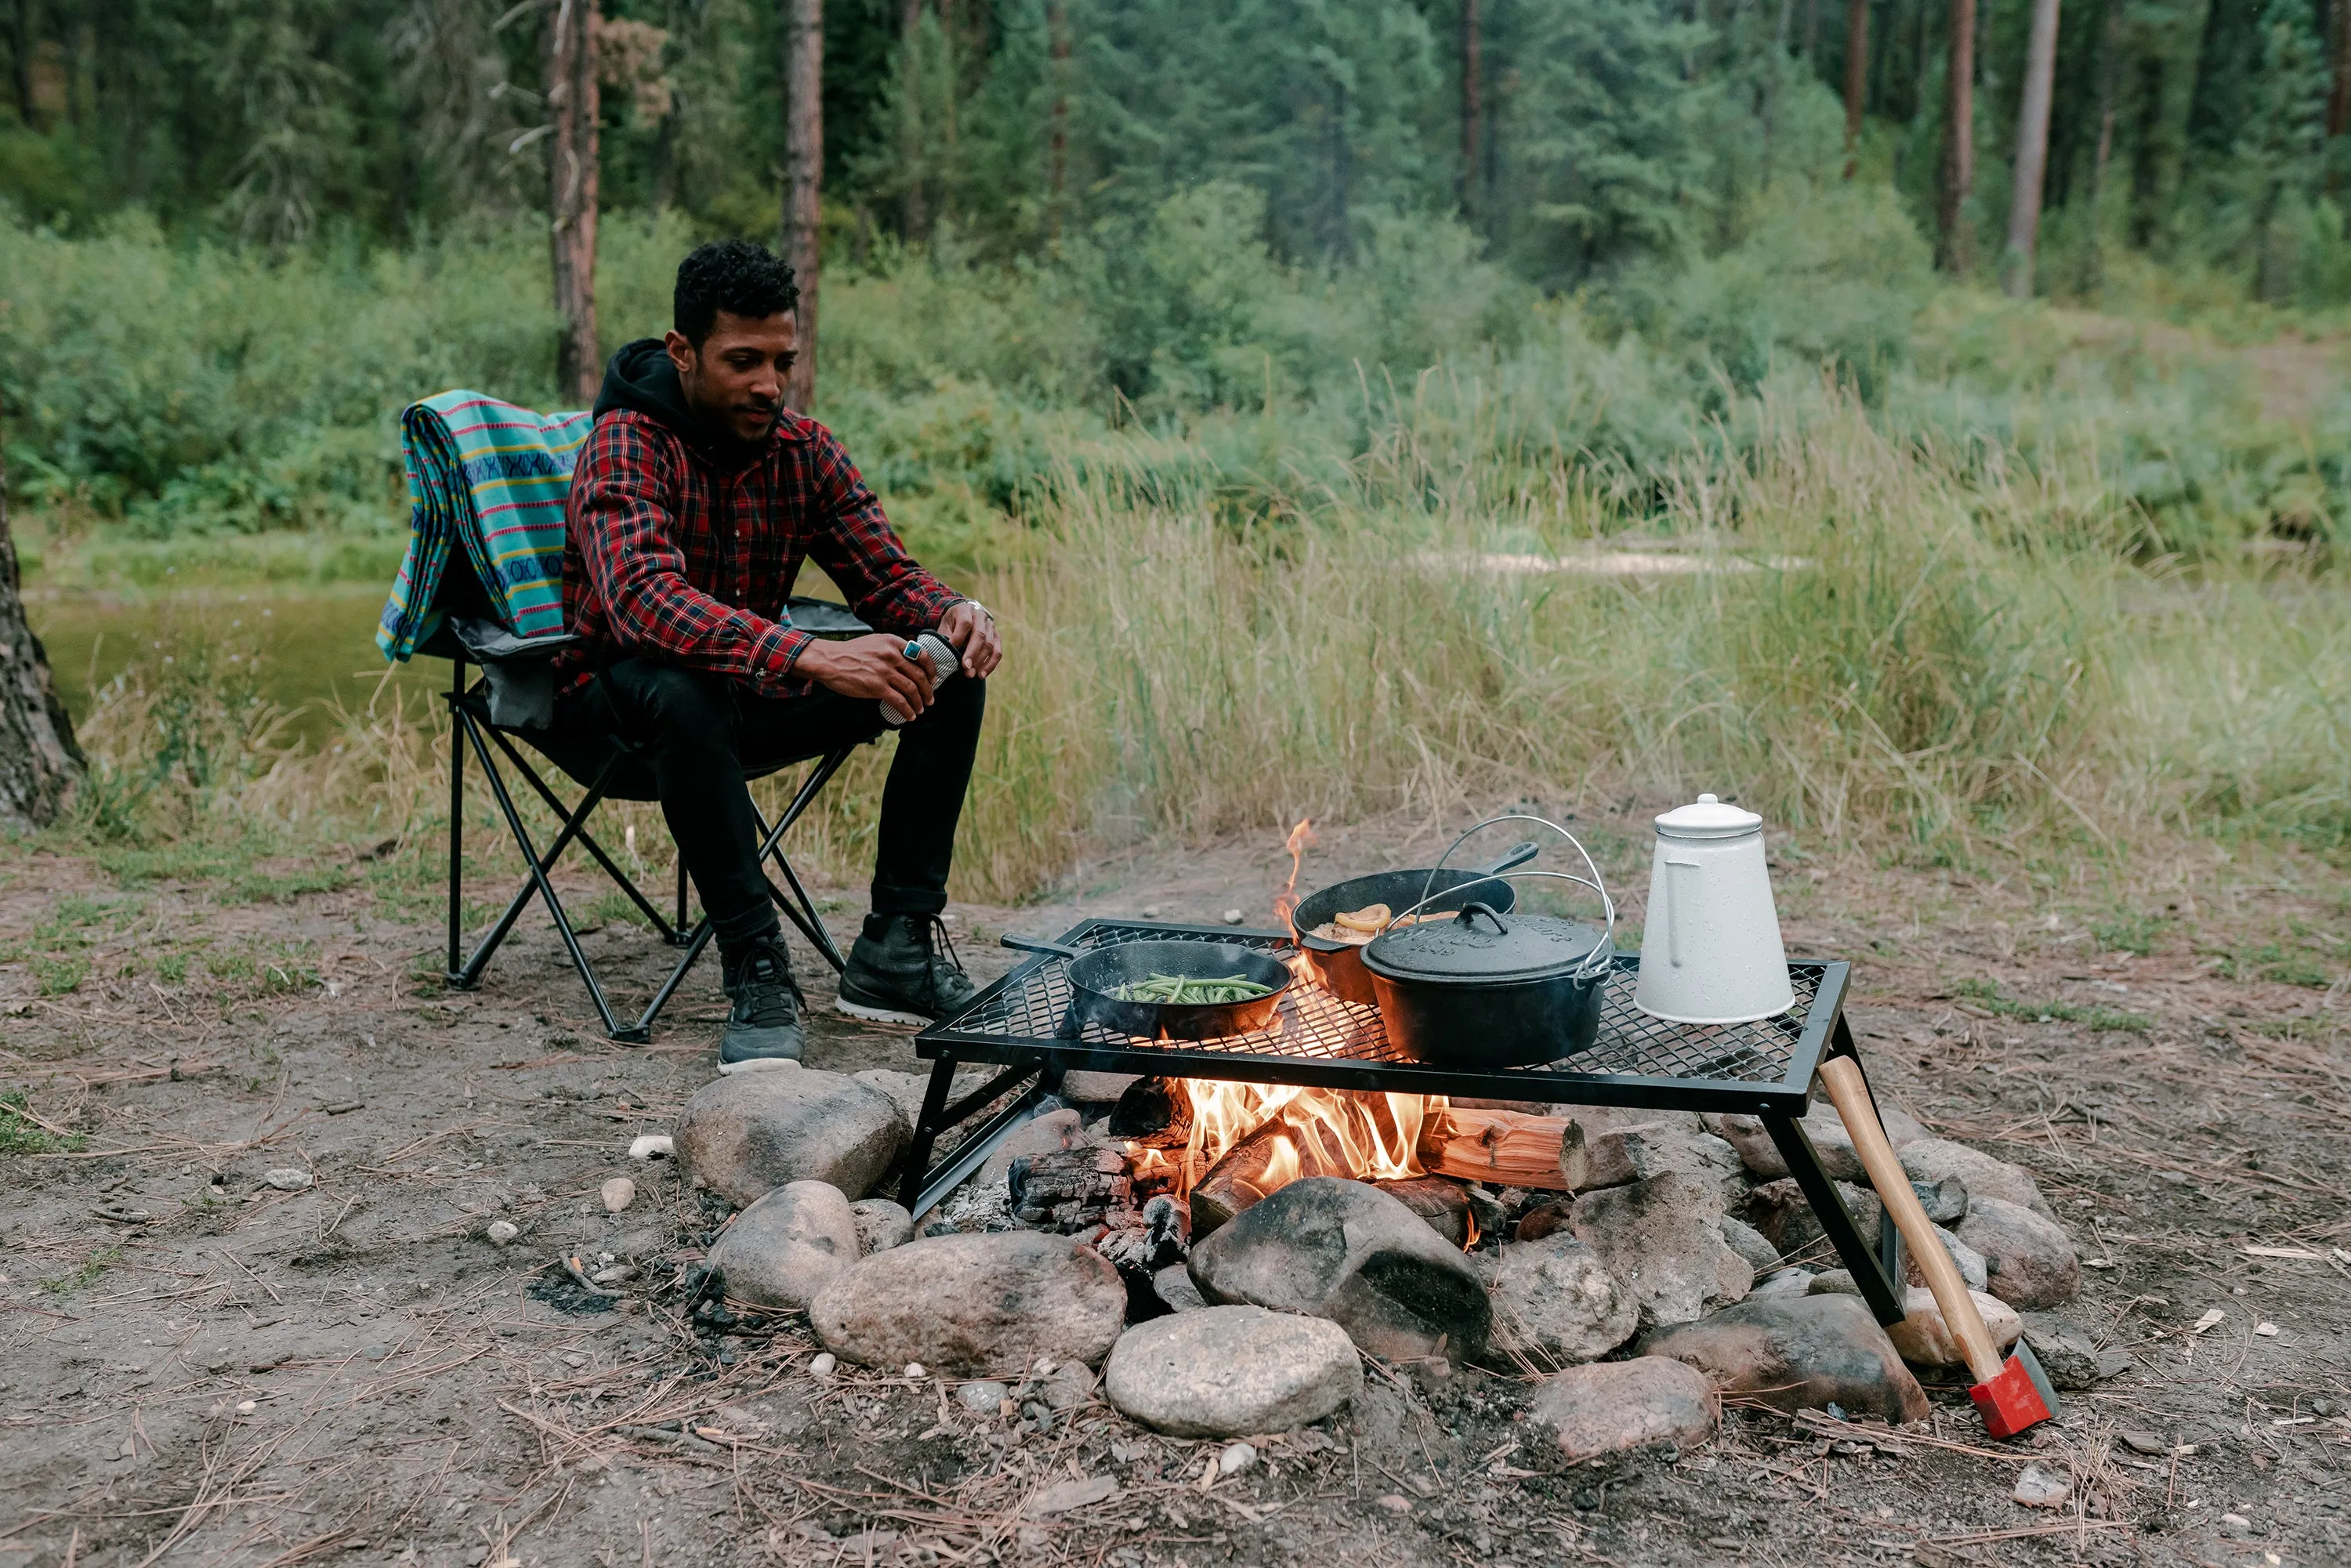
2037	1487
1236	1458
982	1398
245	1407
1151	912
2236	1520
287	1179
823	1363
618	1192
1232	917
2267	1330
501	1231
916	1370
1395	1504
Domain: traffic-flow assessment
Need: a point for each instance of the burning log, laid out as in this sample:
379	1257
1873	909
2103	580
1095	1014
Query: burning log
1441	1201
1505	1148
1265	1161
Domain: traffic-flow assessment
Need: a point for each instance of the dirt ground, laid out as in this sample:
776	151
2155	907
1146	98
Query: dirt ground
199	1367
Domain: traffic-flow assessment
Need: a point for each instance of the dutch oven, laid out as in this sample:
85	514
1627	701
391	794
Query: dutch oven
1489	989
1338	967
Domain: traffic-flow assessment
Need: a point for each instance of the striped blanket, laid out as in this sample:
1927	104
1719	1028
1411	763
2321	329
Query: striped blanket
492	476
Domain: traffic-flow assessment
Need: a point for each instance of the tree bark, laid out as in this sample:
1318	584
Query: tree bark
913	216
2338	64
804	177
1473	103
1056	24
21	58
1954	245
40	760
574	105
1856	79
2032	148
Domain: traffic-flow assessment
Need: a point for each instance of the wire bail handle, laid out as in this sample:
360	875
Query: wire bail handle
1594	960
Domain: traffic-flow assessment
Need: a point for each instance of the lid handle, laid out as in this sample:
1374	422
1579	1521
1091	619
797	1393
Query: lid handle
1469	913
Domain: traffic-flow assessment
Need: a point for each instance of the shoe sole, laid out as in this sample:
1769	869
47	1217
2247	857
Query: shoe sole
880	1015
757	1064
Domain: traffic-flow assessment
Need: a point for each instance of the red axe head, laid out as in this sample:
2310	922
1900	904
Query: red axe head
2019	1397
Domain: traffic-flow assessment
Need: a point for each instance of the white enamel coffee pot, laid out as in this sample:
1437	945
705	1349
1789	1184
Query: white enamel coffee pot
1711	952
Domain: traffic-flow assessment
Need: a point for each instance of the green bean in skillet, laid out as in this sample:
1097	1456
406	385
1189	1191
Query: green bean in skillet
1191	991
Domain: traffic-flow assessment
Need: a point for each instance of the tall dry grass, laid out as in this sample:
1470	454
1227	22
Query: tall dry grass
1888	649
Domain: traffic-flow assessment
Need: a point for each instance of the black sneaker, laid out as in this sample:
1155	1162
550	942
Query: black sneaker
763	1028
903	970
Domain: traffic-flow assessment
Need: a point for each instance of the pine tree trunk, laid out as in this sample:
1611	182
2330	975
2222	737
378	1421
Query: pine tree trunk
1856	79
2032	148
2338	61
1473	103
1954	245
804	171
40	762
573	108
1057	25
21	58
913	212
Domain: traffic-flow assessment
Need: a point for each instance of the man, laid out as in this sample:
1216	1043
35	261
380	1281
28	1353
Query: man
697	499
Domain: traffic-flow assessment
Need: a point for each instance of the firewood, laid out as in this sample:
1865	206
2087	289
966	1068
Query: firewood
1505	1148
1064	1190
1239	1178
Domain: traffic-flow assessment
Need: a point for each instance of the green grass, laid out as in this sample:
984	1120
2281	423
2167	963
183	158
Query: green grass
2299	965
91	1269
20	1135
1989	997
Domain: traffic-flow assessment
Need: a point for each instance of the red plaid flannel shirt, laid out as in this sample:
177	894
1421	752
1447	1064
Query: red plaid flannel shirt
664	555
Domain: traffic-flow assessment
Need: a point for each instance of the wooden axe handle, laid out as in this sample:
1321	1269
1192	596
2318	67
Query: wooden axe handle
1850	1093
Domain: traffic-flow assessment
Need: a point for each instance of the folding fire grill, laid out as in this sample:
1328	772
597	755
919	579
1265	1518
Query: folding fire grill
1024	1024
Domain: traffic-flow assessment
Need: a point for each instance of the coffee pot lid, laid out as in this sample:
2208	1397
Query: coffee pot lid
1708	818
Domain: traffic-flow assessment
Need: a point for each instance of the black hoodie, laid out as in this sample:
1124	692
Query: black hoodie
642	379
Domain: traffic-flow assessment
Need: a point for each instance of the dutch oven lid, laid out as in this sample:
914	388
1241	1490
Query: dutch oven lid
1479	946
1708	818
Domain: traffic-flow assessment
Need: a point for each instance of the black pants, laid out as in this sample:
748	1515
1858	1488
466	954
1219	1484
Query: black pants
701	735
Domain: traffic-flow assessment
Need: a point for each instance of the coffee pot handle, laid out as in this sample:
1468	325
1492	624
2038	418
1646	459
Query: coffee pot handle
1674	909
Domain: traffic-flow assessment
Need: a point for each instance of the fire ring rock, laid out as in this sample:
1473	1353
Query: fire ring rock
1662	1238
784	1249
1799	1353
1611	1406
746	1136
977	1305
1555	1296
2031	1262
1347	1252
1226	1371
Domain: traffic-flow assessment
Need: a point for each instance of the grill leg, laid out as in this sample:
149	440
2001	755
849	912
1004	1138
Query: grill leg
1879	1289
927	1128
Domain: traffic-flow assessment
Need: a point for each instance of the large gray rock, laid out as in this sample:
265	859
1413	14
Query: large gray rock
1615	1406
1555	1297
1799	1353
1750	1244
1226	1371
2030	1260
905	1090
1785	1216
1347	1252
1931	1160
1826	1130
1662	1238
882	1224
974	1306
745	1136
1615	1144
788	1246
2067	1353
1707	1160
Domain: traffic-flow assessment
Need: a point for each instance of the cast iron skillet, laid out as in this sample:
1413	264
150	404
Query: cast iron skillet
1095	973
1338	967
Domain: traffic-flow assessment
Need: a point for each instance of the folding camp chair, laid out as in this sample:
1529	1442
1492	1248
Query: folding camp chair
512	687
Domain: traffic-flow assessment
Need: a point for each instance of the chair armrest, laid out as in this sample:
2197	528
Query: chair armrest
490	643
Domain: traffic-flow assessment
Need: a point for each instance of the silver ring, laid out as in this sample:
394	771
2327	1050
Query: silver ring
983	608
913	650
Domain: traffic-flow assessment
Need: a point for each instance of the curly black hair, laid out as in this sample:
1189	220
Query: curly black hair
734	276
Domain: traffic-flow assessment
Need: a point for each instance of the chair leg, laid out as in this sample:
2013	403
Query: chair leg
799	907
504	925
545	888
456	825
678	932
588	840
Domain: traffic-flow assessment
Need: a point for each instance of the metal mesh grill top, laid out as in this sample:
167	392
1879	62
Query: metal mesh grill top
1313	1025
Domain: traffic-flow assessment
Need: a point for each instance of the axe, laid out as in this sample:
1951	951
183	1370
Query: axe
2010	1395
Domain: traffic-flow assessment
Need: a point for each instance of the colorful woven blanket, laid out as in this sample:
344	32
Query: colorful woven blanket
494	476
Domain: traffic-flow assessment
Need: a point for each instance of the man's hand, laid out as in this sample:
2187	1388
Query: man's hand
971	630
873	666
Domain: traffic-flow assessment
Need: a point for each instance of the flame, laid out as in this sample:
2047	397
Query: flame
1323	1131
1300	835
